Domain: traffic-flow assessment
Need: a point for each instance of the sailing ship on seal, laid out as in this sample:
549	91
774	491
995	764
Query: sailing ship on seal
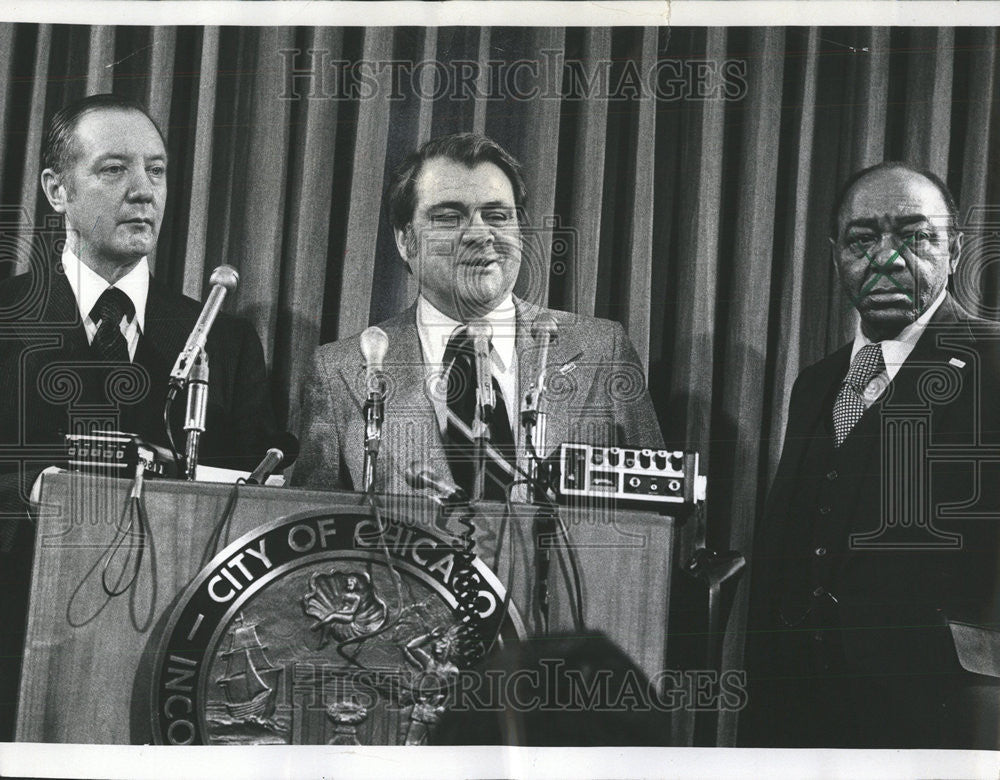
251	680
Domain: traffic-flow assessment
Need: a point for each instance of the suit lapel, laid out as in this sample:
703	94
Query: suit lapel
166	329
940	343
410	430
61	309
817	398
562	354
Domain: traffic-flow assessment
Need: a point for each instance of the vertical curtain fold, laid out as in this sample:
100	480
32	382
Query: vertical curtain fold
701	179
792	278
871	98
366	189
263	189
100	73
589	147
640	239
928	95
203	125
746	332
981	99
309	202
6	76
33	136
540	174
482	55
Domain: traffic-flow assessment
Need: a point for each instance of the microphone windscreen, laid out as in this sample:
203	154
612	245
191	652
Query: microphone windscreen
416	475
544	325
374	345
420	476
288	443
479	329
225	275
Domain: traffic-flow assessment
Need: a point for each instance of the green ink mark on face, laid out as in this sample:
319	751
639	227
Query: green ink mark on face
855	302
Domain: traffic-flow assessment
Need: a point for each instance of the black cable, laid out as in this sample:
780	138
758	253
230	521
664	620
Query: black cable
221	529
377	513
170	434
574	565
134	509
509	584
575	569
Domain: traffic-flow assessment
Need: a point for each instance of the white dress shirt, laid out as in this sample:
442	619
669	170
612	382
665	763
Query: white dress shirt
895	351
88	286
436	328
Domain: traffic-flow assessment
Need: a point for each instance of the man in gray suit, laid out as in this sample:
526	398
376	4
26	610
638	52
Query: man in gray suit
457	210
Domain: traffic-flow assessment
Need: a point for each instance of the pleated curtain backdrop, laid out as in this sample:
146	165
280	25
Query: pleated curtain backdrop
699	224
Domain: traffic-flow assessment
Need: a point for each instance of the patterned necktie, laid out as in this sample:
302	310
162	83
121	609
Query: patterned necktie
109	343
849	407
460	362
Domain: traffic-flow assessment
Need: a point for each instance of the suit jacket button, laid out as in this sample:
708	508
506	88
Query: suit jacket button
832	475
824	510
819	591
818	636
820	552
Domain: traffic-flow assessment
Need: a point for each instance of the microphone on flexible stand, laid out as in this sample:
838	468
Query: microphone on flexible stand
374	345
533	415
194	417
420	476
223	279
278	457
481	332
533	419
451	499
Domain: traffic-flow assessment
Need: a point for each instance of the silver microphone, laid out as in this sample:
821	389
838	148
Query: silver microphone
281	456
543	331
223	279
194	417
374	345
420	476
481	332
533	417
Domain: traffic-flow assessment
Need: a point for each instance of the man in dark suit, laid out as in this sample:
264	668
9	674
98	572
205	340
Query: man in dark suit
874	585
456	207
87	338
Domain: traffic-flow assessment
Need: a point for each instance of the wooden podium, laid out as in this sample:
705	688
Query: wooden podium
88	657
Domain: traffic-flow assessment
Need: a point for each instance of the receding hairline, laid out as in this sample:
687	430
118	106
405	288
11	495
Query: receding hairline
929	214
72	145
847	190
468	166
471	166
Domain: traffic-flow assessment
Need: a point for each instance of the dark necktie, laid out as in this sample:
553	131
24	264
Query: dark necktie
109	343
460	362
849	406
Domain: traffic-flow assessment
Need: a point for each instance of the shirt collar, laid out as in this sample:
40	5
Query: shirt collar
896	350
88	285
436	328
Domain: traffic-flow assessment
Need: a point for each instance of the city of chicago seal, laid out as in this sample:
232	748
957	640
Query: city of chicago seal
326	628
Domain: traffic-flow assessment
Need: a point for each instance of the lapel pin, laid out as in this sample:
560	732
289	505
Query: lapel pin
957	363
570	365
